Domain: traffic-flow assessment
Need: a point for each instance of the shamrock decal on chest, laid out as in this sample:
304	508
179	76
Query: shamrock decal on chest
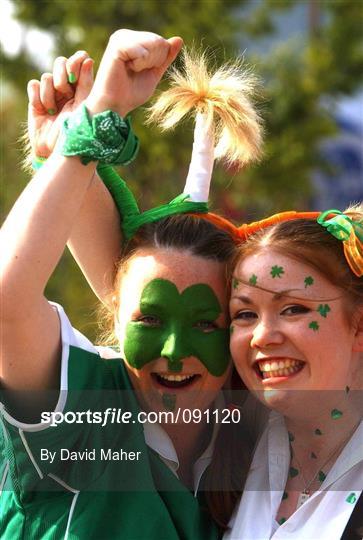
176	325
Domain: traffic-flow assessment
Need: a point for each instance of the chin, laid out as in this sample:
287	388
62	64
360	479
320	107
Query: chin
276	399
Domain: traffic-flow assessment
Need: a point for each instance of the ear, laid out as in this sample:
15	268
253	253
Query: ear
358	338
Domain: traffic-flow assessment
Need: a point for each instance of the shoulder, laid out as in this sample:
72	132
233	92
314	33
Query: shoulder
84	365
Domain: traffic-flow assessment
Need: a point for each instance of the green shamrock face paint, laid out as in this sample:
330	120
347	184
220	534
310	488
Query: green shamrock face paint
253	280
277	271
323	309
314	325
336	413
308	281
169	401
177	325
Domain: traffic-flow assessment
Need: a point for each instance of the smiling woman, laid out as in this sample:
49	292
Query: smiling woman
297	317
169	307
173	324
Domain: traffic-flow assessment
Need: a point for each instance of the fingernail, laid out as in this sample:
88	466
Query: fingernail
72	78
51	111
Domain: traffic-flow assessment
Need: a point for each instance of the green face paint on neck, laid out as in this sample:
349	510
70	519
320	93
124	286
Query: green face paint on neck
176	325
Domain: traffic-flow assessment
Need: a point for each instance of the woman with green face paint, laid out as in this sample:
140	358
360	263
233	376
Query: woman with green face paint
106	478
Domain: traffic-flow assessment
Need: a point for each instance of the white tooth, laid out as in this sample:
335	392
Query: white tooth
274	366
281	364
280	372
267	367
178	378
286	371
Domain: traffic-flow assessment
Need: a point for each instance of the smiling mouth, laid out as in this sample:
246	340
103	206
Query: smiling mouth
281	367
174	380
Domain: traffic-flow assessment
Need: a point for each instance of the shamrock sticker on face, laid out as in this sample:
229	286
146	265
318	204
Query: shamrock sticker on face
176	326
277	271
253	280
235	283
314	325
323	309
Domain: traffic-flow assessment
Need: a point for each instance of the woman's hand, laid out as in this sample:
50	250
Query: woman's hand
130	70
54	97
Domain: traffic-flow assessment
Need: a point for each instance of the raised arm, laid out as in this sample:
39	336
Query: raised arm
42	220
50	100
141	63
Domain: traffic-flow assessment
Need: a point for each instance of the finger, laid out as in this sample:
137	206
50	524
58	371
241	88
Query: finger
33	91
60	77
85	81
47	93
176	44
73	65
157	50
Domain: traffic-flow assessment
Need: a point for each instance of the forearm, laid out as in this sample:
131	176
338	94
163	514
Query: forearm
96	239
35	233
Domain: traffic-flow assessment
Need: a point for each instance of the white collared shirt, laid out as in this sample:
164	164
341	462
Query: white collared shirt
323	516
158	440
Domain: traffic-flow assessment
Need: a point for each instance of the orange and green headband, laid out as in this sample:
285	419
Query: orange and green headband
340	225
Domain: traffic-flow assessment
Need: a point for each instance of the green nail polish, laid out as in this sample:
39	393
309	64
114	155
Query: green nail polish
51	112
72	78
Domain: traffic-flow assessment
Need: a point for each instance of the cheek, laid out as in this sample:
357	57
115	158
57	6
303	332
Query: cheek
212	349
140	378
239	347
141	344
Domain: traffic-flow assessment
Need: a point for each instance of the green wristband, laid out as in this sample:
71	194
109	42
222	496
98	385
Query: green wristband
106	138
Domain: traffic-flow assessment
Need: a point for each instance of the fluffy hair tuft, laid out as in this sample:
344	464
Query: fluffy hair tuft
225	96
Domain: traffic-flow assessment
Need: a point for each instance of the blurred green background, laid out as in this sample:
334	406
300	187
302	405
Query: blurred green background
309	55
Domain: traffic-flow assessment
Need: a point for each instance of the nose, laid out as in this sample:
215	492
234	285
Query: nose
266	334
173	351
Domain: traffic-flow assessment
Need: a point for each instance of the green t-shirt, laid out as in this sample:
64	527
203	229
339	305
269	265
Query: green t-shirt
112	486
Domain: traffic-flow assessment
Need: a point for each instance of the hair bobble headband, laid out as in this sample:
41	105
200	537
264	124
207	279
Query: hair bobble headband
350	232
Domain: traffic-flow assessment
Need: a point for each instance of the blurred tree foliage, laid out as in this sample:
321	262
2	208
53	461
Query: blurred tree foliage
298	76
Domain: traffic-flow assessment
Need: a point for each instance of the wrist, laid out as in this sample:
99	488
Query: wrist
95	106
105	137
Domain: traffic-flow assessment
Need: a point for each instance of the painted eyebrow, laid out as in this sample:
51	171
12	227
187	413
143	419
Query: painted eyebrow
206	312
152	305
198	311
